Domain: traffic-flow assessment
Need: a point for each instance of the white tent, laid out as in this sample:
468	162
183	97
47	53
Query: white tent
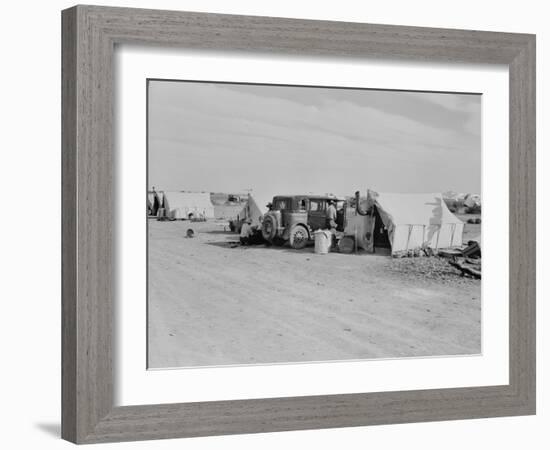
185	205
414	221
253	210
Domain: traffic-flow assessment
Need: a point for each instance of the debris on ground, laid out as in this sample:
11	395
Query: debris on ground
450	253
467	259
414	252
473	250
467	266
435	268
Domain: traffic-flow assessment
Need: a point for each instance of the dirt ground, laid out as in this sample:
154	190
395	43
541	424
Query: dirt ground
214	303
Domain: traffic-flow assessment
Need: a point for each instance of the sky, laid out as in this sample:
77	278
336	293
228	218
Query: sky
290	140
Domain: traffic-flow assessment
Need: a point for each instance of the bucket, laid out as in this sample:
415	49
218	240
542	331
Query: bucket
323	239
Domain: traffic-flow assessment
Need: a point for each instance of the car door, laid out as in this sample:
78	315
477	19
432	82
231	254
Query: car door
317	214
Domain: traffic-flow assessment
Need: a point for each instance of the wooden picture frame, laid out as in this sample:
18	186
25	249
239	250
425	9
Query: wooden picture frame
89	37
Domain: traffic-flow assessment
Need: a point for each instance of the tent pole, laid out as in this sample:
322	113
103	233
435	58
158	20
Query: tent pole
408	238
423	235
453	234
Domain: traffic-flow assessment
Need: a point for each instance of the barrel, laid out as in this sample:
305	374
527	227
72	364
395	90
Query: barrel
323	240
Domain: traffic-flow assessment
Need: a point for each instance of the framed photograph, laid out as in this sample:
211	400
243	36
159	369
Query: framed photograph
277	224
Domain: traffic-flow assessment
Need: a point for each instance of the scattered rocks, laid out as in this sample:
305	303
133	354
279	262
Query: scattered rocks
433	268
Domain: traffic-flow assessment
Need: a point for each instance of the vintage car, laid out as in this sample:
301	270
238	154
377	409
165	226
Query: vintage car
294	218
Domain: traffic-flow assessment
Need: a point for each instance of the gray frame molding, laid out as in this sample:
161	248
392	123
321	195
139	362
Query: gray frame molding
89	36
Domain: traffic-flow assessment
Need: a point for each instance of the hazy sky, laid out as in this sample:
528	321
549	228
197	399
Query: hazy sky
277	139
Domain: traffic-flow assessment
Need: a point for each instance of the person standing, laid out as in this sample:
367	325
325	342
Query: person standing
331	221
331	215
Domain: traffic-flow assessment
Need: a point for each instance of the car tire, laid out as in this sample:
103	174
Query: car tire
269	228
299	237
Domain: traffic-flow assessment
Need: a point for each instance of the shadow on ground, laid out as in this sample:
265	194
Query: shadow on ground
233	245
219	232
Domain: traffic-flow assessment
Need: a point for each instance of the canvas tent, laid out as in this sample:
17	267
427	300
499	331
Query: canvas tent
150	200
253	210
154	202
186	205
411	221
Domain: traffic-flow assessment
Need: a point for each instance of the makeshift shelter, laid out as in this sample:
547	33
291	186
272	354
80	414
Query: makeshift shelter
188	205
149	204
360	227
154	202
408	222
253	210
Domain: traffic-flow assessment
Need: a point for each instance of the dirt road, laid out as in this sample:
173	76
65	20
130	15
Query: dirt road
211	304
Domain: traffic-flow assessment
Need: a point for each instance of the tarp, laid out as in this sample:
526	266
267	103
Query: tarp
416	221
360	227
154	201
253	210
150	202
180	204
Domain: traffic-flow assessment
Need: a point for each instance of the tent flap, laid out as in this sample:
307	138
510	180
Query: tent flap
253	211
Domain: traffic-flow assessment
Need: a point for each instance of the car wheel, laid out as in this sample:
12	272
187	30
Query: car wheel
298	237
269	228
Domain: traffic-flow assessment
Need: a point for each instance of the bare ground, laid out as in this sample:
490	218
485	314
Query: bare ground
212	304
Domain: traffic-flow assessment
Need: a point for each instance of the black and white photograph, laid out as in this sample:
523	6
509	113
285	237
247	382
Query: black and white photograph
297	224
